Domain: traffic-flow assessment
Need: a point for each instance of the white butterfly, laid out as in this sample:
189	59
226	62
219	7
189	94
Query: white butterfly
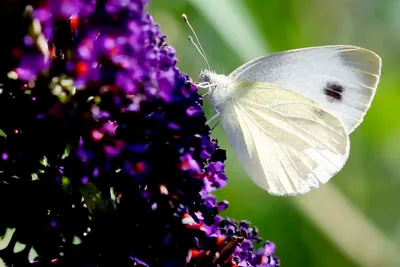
288	115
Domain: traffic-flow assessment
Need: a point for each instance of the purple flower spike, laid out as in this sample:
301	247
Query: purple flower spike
104	145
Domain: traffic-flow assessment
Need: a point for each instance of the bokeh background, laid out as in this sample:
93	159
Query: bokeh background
354	220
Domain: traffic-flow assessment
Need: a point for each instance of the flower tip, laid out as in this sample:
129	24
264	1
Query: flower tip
269	248
185	18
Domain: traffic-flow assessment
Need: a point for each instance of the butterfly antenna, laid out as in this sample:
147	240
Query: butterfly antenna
198	47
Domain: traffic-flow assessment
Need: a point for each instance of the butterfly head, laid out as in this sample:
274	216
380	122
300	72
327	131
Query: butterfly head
211	78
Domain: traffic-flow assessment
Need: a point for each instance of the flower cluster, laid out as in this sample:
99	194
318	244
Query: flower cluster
105	158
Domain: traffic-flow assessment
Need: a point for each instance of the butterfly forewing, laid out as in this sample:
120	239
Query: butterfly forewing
340	78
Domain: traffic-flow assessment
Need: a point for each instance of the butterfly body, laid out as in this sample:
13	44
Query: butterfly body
221	91
288	115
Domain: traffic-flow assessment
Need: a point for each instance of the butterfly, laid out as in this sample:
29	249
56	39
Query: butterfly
288	115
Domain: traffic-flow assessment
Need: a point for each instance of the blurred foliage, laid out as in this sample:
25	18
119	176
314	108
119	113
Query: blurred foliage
371	178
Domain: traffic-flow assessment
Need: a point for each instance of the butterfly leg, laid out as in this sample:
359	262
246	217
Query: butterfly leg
212	129
206	85
202	85
212	118
208	92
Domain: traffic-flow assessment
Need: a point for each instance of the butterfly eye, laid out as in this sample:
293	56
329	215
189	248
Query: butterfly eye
203	78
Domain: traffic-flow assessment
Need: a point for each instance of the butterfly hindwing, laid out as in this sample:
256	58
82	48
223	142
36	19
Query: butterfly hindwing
287	143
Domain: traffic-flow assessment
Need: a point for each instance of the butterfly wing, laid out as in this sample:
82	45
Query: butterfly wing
287	143
340	78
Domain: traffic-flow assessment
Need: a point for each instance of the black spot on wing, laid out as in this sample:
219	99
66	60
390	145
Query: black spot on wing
333	91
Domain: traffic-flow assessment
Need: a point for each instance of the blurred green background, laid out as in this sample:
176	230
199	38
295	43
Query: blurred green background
354	220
